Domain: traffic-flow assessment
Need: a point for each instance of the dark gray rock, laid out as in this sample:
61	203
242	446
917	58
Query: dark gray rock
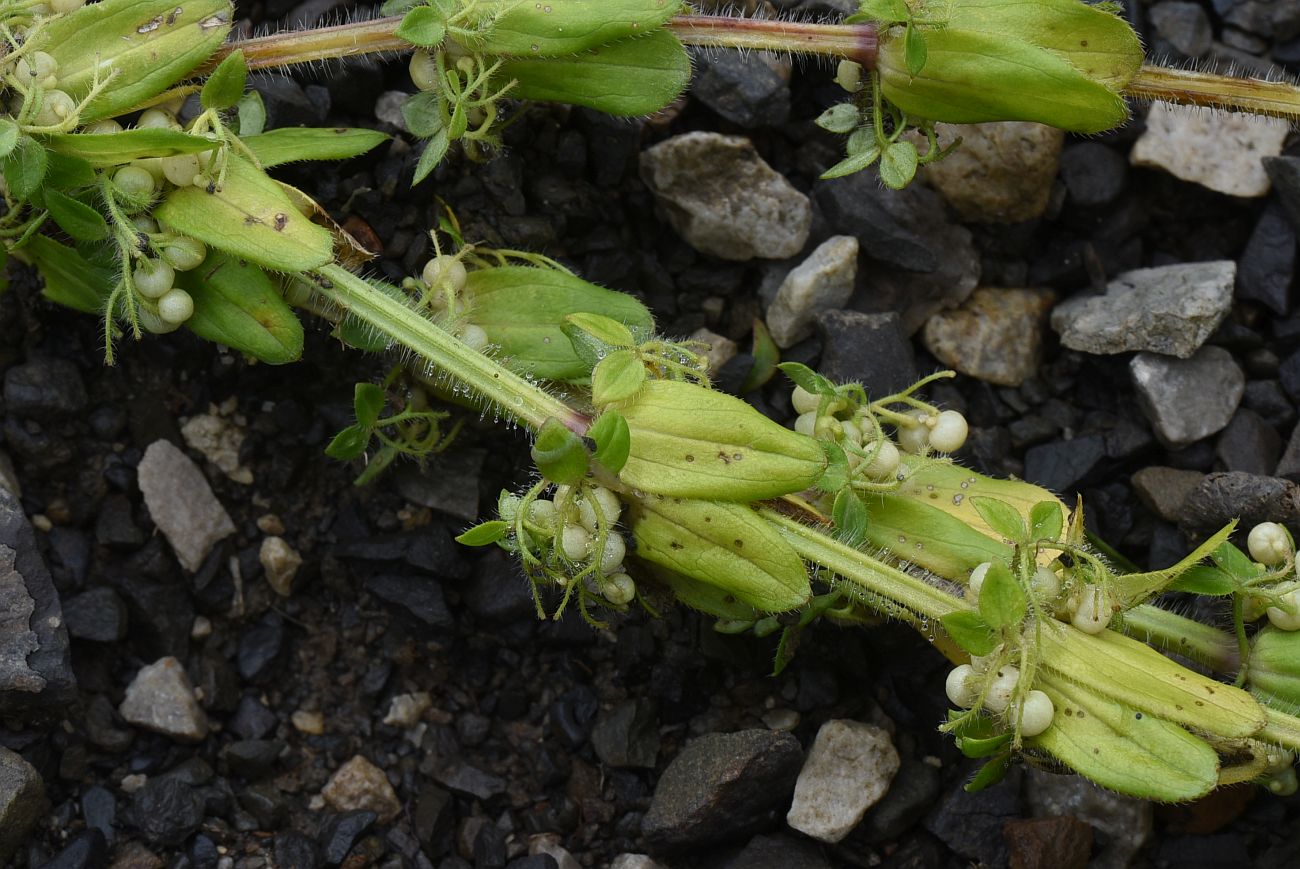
293	850
1220	498
1249	444
1268	399
1288	372
917	261
1094	174
167	811
1284	172
743	88
913	791
287	103
252	758
469	780
871	349
44	389
1183	25
1188	399
490	848
497	592
259	647
533	861
628	734
435	810
115	526
780	852
971	823
722	786
573	715
35	670
86	850
1267	265
421	596
162	613
99	809
252	720
1060	465
341	832
22	801
98	615
100	723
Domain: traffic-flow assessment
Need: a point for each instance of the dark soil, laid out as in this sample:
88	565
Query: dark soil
385	604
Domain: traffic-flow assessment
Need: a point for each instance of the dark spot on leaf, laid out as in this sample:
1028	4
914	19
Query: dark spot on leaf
740	544
690	458
1137	716
675	545
281	221
252	220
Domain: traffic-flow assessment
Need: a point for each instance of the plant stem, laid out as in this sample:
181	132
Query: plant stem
1274	99
511	394
1280	728
1178	635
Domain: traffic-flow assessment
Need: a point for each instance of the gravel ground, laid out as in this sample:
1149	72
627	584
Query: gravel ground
257	664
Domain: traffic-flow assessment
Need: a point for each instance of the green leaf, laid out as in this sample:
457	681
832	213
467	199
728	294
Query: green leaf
425	114
1002	600
837	473
606	330
850	517
983	746
855	163
884	11
423	26
1001	517
288	144
376	465
1045	521
1206	580
559	454
70	279
914	49
236	304
226	85
367	403
9	133
898	165
766	356
24	169
434	150
251	112
628	79
970	632
558	30
613	440
990	773
1236	562
348	444
484	533
67	173
842	118
617	377
1136	587
397	7
251	217
114	149
528	312
803	376
76	218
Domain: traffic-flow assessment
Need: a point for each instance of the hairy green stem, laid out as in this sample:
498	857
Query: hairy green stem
511	394
1179	635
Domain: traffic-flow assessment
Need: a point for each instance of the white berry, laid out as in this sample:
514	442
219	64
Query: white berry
181	169
884	462
1094	612
134	182
977	580
1002	689
56	107
176	306
619	589
914	438
949	432
424	71
1269	544
960	686
157	119
1036	713
1283	620
803	400
447	270
474	337
1046	583
612	556
184	253
37	68
153	278
575	541
610	506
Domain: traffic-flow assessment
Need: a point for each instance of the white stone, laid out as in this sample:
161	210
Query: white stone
182	503
721	349
388	108
1219	150
9	477
405	709
220	441
848	770
280	563
359	784
635	861
160	698
549	844
822	282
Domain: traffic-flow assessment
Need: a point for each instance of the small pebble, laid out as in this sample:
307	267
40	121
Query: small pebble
311	723
405	709
359	784
280	562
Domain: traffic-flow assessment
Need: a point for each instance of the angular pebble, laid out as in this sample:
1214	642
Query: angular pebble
1002	173
871	349
219	440
751	89
160	698
1048	843
1186	400
1165	490
823	281
1268	262
848	769
359	784
628	734
182	503
721	786
22	801
98	615
1252	498
1218	150
280	563
35	665
1169	309
724	199
44	389
996	335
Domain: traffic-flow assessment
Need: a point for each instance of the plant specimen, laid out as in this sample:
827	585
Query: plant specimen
647	475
